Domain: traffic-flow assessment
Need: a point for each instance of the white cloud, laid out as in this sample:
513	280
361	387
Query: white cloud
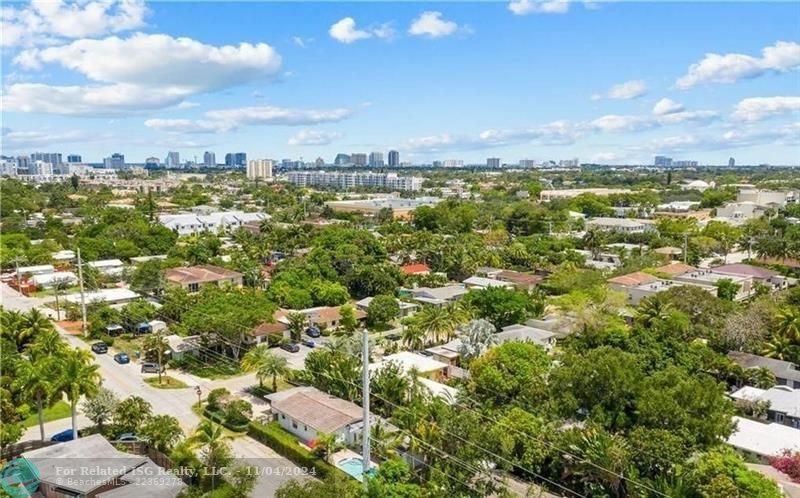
223	120
687	116
431	25
314	137
615	123
140	72
46	21
301	42
187	105
666	106
758	108
624	91
729	68
555	133
525	7
21	140
345	31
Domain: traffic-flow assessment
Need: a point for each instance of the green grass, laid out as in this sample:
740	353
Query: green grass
128	345
214	372
52	292
167	382
200	412
56	412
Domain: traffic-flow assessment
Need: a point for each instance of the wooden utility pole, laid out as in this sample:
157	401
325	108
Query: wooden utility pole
83	297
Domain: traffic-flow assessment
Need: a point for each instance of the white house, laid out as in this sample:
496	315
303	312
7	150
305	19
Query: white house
485	282
108	266
107	296
308	412
219	221
761	440
48	280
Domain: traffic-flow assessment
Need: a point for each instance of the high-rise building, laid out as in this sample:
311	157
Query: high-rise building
319	162
152	163
259	169
236	159
527	163
437	164
358	159
569	163
23	165
8	167
662	161
173	160
74	158
731	162
115	161
53	158
493	162
453	163
209	159
388	181
41	168
394	159
376	159
341	159
684	164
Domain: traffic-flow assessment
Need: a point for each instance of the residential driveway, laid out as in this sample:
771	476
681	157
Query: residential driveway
296	360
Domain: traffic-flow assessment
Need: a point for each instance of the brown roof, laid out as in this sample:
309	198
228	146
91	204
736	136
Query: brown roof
200	274
673	269
516	277
634	279
268	328
330	314
320	410
747	270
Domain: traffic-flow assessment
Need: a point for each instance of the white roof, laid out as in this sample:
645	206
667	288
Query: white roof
104	295
63	255
408	361
36	269
51	278
782	399
617	222
403	304
443	391
486	282
697	183
764	439
106	263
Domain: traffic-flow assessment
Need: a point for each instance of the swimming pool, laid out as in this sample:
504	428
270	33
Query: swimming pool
354	467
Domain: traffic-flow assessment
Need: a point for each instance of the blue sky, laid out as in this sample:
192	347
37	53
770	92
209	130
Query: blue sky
526	79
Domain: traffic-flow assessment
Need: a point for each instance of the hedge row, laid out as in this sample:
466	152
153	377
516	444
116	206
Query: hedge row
219	417
285	444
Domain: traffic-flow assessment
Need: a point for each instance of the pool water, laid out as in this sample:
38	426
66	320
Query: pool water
354	467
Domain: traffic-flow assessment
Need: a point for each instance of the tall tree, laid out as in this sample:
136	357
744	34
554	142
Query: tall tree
78	378
265	364
35	380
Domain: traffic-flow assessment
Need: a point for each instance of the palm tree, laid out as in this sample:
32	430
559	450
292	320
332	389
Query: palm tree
781	348
653	310
265	364
60	285
35	380
13	328
47	344
79	377
297	322
593	241
36	323
788	322
157	343
327	444
212	438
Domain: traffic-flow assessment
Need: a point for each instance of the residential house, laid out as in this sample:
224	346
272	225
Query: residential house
415	269
425	366
91	467
621	225
137	260
763	275
406	308
105	296
561	326
521	281
784	403
786	373
710	278
192	278
762	441
49	280
205	220
111	267
307	413
674	269
25	271
525	333
738	212
438	296
484	283
323	317
182	346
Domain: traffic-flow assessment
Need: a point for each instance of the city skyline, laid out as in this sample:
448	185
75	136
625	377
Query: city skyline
534	80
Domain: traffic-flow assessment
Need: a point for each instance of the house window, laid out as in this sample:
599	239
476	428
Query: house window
294	424
194	287
779	418
283	417
305	427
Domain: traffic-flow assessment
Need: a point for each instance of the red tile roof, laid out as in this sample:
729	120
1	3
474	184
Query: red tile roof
674	269
634	279
200	274
415	268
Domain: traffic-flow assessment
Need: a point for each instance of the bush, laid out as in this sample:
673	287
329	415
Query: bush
219	417
286	445
107	339
216	398
238	412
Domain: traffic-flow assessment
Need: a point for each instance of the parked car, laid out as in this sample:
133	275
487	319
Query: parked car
100	347
63	436
394	337
290	347
313	332
308	343
152	368
128	437
122	358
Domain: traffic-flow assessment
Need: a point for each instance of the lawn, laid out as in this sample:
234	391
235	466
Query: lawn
128	344
56	412
213	372
167	382
52	292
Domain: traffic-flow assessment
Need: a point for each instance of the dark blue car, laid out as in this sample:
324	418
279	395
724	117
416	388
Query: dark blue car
63	436
313	332
122	358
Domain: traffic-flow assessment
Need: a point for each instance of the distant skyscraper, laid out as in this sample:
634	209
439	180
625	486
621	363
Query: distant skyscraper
173	160
74	158
23	165
437	164
53	158
662	161
453	163
358	159
394	158
209	159
259	169
152	163
731	162
319	162
376	159
492	162
341	159
116	161
527	163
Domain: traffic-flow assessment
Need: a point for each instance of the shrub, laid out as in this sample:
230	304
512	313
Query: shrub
286	445
217	397
788	463
107	339
238	412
